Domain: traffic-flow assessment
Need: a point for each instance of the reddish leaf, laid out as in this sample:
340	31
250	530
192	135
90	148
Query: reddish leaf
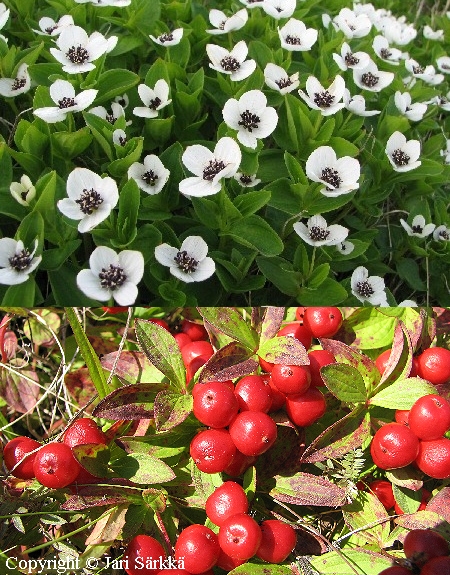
400	360
132	367
271	323
284	350
229	362
286	451
20	394
171	409
80	386
130	402
10	344
408	477
101	345
230	322
440	503
99	495
38	332
307	489
424	519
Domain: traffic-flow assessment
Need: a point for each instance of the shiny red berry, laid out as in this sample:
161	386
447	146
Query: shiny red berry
212	450
239	464
161	322
215	404
84	431
434	365
429	417
196	349
278	539
55	466
402	416
253	432
240	536
436	566
198	546
194	330
394	446
142	553
227	500
182	339
421	545
291	379
323	321
16	450
383	490
434	458
278	398
253	393
304	409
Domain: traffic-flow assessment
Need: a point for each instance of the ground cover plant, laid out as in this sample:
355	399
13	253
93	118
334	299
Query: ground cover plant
281	440
237	152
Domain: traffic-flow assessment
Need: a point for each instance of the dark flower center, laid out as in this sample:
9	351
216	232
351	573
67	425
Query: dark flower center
154	103
417	229
20	261
110	118
150	177
317	233
245	179
51	29
66	102
185	263
343	247
369	80
18	83
364	289
385	53
418	70
89	201
283	83
249	121
77	55
212	169
400	158
444	235
112	277
221	26
166	37
230	64
350	59
122	140
445	67
292	40
331	177
323	99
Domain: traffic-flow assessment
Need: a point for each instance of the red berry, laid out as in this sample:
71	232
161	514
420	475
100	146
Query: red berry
429	417
291	379
84	431
317	359
228	563
323	321
194	365
277	541
304	409
182	339
174	571
395	570
239	464
160	322
402	416
253	393
55	466
383	490
426	496
278	398
436	566
194	330
393	446
196	349
142	554
212	451
253	432
240	536
15	450
300	332
266	366
300	314
433	364
198	546
420	545
434	458
226	500
115	309
382	361
215	404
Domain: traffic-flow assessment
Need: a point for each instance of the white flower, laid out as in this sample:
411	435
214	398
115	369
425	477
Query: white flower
169	38
295	36
250	116
340	176
189	263
112	275
77	51
396	31
91	198
318	233
446	152
119	138
49	27
247	180
63	94
442	101
151	176
278	79
402	154
153	99
279	8
11	87
440	234
368	288
407	303
382	49
427	74
345	248
351	24
16	261
23	191
357	105
372	79
224	24
328	101
252	3
348	59
116	112
418	227
443	63
123	100
209	167
431	34
232	63
413	112
4	15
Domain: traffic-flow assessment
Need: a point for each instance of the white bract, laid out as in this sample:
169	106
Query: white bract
112	275
154	99
91	198
296	37
231	62
345	248
168	38
189	263
252	3
351	24
16	261
443	63
418	227
403	154
357	105
427	74
382	49
413	112
278	79
348	59
11	87
209	167
440	234
77	51
63	94
116	3
327	101
316	232
119	137
50	27
23	191
4	15
279	8
431	34
339	175
396	31
110	116
224	24
251	117
247	180
368	288
151	176
372	79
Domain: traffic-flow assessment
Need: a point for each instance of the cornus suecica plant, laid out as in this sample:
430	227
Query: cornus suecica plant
130	124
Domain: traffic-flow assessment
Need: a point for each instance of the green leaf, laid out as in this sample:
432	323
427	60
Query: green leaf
251	202
133	367
408	500
362	513
258	569
330	292
345	382
53	259
402	394
20	295
284	350
279	272
113	83
171	409
93	457
231	323
129	200
295	169
69	145
254	232
142	468
319	275
338	562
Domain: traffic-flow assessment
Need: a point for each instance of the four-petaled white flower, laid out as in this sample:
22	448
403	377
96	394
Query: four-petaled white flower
63	94
151	176
279	8
77	51
351	24
372	79
418	227
327	101
427	74
295	36
168	38
318	233
247	180
209	167
24	191
348	59
382	49
397	31
153	99
368	288
112	275
440	234
49	27
189	263
224	24
91	198
340	176
11	87
443	63
431	34
413	112
357	105
403	154
232	63
278	79
119	137
16	261
251	117
117	112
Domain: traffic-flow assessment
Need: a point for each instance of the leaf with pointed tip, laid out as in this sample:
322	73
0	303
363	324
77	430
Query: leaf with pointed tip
130	402
345	354
94	457
440	503
425	519
99	495
142	468
271	323
155	498
408	477
351	561
364	512
231	361
171	409
132	367
407	499
345	382
284	350
307	489
403	393
231	323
